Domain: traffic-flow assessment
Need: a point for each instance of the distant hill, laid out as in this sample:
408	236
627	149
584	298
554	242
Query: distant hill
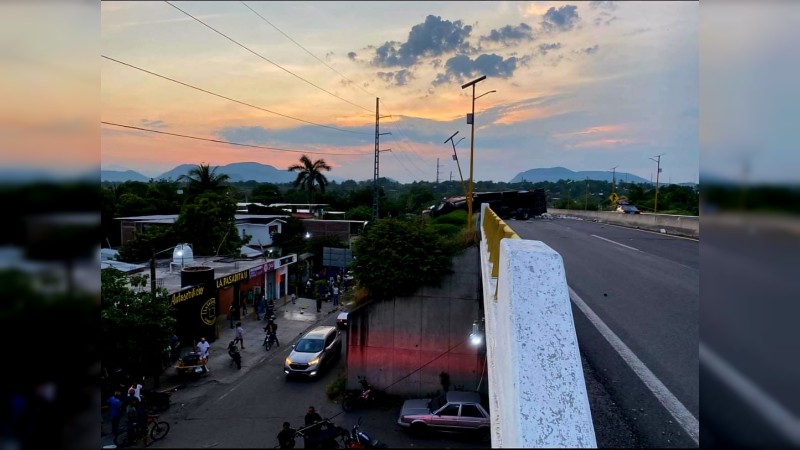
243	171
118	176
553	174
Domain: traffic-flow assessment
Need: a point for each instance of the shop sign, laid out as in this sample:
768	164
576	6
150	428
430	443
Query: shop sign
232	278
187	294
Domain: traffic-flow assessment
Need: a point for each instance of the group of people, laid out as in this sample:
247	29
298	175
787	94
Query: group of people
286	437
131	407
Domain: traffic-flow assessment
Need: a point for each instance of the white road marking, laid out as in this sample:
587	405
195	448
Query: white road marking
651	231
766	406
682	416
226	394
614	242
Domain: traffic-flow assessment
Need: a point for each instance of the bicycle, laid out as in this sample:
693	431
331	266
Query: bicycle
156	430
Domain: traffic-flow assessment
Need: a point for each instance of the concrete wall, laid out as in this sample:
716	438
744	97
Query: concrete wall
679	225
390	339
537	393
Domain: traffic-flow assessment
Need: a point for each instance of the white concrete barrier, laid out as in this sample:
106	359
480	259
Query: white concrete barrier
537	392
672	224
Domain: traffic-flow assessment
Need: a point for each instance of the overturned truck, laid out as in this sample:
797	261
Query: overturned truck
519	205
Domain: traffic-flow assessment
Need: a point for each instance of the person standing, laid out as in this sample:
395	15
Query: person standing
311	418
243	305
232	313
308	287
319	301
335	295
115	409
202	348
239	334
286	436
293	297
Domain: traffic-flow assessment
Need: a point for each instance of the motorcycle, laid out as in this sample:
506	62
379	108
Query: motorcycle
323	435
369	396
359	439
236	356
269	340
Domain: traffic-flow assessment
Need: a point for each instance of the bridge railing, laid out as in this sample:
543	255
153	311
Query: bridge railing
495	229
537	392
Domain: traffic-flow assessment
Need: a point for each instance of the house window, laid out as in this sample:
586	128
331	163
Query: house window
273	229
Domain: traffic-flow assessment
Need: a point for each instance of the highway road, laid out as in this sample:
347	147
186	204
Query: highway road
644	286
749	366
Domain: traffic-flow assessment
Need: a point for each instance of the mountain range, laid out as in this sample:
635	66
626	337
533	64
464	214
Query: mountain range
243	171
263	173
553	174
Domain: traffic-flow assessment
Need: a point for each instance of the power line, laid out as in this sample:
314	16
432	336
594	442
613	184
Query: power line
409	159
265	59
228	98
411	147
227	142
307	51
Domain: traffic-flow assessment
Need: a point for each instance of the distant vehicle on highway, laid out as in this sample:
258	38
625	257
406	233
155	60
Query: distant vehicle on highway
454	411
628	209
520	205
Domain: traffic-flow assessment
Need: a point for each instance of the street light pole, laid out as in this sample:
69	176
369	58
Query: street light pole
455	156
471	150
657	159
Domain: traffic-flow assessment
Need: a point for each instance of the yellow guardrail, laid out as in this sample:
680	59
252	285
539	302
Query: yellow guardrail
495	230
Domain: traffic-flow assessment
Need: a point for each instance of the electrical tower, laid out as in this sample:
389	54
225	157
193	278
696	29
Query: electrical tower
376	174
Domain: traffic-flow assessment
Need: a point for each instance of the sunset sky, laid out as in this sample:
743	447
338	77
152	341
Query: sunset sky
582	85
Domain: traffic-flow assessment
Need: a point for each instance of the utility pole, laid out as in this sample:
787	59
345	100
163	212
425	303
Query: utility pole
614	180
376	174
657	159
455	157
586	196
451	175
471	121
437	171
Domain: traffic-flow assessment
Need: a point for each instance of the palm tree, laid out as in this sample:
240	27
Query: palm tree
203	178
310	175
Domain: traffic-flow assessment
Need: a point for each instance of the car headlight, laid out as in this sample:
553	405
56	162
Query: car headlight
288	361
314	361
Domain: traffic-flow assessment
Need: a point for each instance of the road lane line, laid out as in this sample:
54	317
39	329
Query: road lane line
766	406
682	416
614	242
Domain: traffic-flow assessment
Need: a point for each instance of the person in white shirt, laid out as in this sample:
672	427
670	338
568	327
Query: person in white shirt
202	347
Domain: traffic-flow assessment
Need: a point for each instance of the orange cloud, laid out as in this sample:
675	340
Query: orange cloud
601	129
521	115
603	143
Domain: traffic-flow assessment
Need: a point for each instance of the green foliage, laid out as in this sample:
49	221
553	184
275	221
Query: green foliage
359	213
309	175
135	325
445	229
290	239
458	218
208	224
266	193
336	388
202	179
395	257
143	245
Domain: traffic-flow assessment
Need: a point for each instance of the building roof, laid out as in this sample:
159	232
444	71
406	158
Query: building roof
171	218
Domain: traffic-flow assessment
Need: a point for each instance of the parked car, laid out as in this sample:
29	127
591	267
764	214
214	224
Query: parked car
628	209
454	411
341	321
318	349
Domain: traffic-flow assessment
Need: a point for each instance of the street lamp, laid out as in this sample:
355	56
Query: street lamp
476	336
455	157
471	121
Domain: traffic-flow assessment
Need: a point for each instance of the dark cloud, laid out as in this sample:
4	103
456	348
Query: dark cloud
590	50
461	67
637	31
509	34
352	55
434	37
544	48
399	78
154	123
436	63
609	5
562	19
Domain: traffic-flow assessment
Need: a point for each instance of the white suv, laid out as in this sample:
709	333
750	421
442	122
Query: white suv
318	349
